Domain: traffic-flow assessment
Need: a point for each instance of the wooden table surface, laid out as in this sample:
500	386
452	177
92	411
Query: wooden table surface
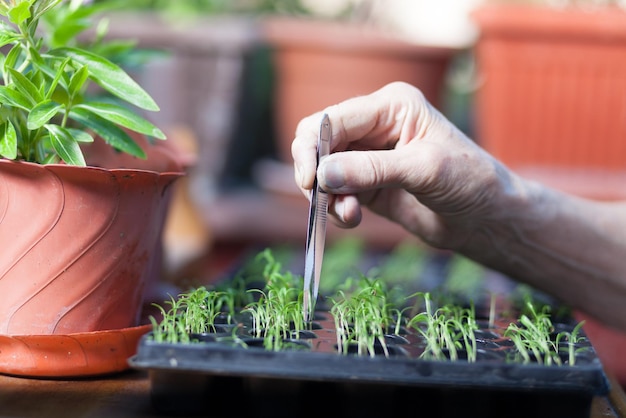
122	395
127	395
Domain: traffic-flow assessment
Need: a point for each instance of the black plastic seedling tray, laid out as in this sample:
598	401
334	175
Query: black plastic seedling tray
199	377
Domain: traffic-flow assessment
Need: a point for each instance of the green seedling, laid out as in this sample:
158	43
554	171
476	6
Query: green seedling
193	312
534	340
571	339
276	311
264	267
169	329
363	318
447	329
276	315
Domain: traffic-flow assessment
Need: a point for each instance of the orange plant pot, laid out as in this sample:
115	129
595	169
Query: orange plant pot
321	63
551	87
78	245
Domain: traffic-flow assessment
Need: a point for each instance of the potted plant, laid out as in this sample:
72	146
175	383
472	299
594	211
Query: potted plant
81	207
363	351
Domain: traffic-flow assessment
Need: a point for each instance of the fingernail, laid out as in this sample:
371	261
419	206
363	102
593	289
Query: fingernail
334	176
339	209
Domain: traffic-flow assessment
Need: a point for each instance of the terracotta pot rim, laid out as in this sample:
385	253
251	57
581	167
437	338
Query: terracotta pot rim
343	37
528	20
102	332
61	166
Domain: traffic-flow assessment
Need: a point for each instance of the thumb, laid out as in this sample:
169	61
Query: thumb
353	172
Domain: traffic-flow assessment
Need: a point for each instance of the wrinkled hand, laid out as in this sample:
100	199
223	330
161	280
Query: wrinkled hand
394	153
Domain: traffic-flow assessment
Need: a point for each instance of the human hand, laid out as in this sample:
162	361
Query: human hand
392	152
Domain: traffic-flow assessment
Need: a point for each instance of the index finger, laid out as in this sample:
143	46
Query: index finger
304	150
376	121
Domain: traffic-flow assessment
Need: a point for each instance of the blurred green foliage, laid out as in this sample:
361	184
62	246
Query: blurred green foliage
177	8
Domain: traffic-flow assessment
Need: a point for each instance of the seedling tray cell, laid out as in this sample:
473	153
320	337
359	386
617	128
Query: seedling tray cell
188	377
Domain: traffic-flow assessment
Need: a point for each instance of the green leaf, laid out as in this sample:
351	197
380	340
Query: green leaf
39	80
78	80
110	77
55	70
56	78
14	98
80	136
121	47
25	86
7	38
42	113
44	153
35	56
65	145
8	141
68	31
20	12
122	116
112	135
42	6
11	59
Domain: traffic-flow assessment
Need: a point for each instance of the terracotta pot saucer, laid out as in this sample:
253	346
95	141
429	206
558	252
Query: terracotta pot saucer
70	355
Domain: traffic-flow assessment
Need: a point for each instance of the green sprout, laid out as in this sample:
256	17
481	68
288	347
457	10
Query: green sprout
276	315
364	315
193	312
534	340
276	312
449	328
169	329
571	339
363	318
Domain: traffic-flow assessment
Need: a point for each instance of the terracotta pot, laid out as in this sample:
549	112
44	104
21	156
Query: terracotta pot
79	244
321	63
549	99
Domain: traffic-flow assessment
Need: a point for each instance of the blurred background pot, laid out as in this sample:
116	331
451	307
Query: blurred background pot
80	244
319	62
549	103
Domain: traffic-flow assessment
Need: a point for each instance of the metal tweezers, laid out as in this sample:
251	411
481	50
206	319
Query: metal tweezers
316	233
